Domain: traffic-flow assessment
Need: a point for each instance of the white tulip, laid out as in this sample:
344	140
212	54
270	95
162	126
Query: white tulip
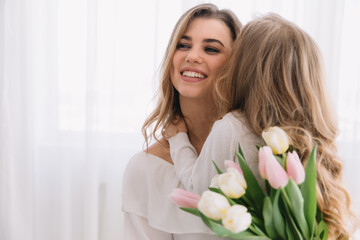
213	205
276	139
237	219
215	182
232	183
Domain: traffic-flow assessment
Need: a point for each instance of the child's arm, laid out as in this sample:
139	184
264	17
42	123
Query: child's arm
184	157
195	172
182	152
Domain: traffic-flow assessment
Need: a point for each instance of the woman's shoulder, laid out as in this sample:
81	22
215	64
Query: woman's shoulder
139	164
161	149
143	171
143	162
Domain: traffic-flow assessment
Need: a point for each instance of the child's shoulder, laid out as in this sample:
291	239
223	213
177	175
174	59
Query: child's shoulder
231	120
233	123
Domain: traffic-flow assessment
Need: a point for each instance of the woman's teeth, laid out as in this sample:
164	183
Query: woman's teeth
193	74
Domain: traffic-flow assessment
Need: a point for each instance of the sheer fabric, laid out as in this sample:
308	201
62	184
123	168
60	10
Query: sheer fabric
76	83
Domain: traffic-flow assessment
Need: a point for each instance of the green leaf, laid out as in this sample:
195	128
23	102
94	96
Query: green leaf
280	160
217	168
257	221
268	219
297	206
253	191
220	231
193	211
308	190
256	230
240	151
217	190
322	230
319	215
289	233
290	223
277	217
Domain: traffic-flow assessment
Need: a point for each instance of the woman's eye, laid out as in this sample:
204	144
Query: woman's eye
182	46
212	50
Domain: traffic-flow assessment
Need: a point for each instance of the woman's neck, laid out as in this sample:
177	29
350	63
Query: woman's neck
199	119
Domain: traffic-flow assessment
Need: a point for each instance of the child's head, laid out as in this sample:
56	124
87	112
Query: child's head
278	76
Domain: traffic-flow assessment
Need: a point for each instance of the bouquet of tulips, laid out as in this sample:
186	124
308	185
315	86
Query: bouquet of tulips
236	206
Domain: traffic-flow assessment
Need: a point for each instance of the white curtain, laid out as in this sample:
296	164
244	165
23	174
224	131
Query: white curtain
76	82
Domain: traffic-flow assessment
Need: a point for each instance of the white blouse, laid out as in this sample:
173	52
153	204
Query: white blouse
149	180
149	213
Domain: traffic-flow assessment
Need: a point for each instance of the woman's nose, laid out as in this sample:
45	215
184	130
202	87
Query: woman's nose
194	56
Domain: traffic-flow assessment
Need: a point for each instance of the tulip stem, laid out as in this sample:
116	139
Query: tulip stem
287	200
246	200
286	197
284	160
256	230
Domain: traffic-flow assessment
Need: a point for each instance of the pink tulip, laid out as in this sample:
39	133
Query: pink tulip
270	168
185	199
230	164
276	174
294	168
264	153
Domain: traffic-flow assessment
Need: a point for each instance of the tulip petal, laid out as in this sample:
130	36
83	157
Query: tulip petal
185	199
232	183
237	219
275	173
264	153
294	168
277	139
213	205
231	164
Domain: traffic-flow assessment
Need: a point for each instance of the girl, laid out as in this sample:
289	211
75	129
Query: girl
275	78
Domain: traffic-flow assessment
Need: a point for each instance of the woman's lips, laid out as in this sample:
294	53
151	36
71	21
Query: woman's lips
192	75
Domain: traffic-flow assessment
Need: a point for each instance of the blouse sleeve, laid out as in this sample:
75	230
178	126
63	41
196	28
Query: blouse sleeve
195	172
184	156
137	228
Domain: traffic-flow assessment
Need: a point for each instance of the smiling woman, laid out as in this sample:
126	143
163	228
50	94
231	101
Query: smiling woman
203	49
200	45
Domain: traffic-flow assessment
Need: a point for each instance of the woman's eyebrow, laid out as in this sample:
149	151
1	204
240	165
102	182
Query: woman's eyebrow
209	40
186	37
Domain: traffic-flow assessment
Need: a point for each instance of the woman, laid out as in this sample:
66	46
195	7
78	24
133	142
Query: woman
275	78
200	45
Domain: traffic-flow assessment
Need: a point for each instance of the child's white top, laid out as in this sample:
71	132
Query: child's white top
195	172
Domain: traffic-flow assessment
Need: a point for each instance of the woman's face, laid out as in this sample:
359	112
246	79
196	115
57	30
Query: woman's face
201	52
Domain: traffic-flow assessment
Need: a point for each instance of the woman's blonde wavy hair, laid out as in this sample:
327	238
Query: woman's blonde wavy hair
275	77
168	106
